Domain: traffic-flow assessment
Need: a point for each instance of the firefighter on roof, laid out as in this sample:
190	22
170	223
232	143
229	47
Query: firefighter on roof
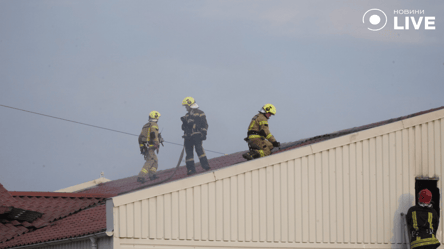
195	126
149	142
423	222
260	140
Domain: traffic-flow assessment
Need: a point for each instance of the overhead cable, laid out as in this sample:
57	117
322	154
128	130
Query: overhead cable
95	126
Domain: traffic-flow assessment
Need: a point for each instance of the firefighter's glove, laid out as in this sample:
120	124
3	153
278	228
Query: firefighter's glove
276	144
204	134
156	147
183	119
143	150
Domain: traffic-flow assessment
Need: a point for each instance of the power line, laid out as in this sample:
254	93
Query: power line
95	126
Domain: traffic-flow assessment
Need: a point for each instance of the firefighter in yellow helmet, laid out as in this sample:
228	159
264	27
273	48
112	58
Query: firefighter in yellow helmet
148	143
195	126
260	140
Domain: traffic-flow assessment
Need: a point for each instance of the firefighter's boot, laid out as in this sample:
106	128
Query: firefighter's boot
141	179
204	163
153	177
190	167
251	155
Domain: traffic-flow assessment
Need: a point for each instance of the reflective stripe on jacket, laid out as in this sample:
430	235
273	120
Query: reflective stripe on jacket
149	134
258	128
195	123
423	223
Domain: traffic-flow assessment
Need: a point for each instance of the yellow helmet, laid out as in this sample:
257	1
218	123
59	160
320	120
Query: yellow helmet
154	115
269	108
188	101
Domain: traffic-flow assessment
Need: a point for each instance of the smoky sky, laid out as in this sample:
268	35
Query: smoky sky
110	63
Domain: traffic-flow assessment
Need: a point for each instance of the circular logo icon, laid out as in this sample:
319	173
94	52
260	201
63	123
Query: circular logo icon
375	18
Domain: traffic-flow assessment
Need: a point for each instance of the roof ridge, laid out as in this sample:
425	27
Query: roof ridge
331	135
100	203
59	194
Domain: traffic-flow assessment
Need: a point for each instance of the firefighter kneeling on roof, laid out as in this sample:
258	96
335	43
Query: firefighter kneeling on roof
149	142
423	222
260	140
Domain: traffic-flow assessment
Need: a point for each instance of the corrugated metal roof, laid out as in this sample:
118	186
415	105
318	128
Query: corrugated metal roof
316	139
122	186
130	183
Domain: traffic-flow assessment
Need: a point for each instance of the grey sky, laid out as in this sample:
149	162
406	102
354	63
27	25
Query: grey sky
109	63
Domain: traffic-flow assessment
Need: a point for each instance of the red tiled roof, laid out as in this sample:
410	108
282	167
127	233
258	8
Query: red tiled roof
29	211
89	221
129	184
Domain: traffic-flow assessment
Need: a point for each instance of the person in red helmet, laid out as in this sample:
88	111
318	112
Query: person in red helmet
423	222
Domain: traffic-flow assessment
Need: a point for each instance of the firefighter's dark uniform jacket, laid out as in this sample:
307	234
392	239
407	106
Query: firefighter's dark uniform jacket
423	223
195	126
149	137
194	123
259	137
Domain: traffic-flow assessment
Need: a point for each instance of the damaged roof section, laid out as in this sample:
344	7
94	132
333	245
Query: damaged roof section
87	221
21	213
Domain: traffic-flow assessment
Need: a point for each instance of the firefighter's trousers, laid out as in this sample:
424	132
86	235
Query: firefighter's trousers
427	247
189	145
261	146
150	166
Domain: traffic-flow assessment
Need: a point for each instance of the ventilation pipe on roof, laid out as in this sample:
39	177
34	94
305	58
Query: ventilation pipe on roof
109	217
93	242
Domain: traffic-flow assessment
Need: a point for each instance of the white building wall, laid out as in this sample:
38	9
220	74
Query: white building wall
346	192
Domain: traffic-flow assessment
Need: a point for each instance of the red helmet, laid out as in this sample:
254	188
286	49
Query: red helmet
425	196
